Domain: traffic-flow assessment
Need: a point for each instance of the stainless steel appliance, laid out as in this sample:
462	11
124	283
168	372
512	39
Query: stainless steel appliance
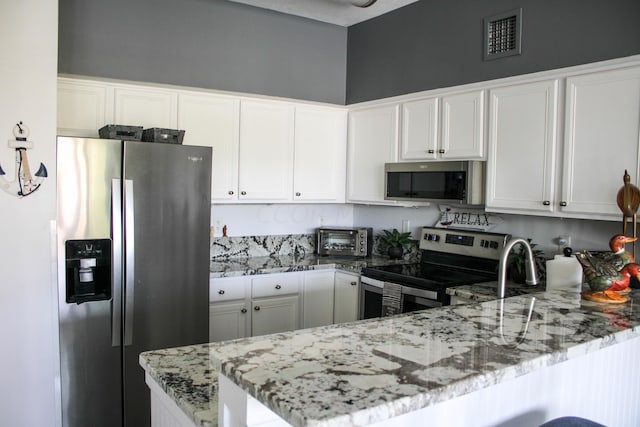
448	258
133	269
344	241
458	182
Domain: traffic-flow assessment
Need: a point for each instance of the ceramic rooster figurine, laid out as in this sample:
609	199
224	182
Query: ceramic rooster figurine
604	279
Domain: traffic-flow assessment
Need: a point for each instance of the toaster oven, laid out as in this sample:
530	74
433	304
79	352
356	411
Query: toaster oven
340	241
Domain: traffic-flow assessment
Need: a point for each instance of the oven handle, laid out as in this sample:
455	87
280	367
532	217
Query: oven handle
422	301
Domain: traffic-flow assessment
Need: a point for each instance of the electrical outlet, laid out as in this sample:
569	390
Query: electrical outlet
405	225
564	242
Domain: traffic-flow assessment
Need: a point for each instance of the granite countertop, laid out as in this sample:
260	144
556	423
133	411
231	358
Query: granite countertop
231	267
488	291
368	371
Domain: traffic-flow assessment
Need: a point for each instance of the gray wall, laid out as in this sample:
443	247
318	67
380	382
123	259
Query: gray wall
204	43
439	43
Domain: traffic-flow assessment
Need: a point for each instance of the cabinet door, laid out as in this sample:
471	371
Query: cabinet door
346	298
419	130
266	151
228	321
83	108
522	148
462	136
214	121
317	304
320	155
271	315
602	129
373	141
147	107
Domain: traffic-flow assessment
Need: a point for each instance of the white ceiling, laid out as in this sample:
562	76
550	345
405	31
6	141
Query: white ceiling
338	12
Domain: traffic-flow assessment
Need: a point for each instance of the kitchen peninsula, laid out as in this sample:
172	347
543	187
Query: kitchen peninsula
475	364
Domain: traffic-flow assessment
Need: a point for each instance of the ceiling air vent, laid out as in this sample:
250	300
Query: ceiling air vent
502	34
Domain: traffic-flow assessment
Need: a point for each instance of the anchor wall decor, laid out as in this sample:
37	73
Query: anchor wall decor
23	183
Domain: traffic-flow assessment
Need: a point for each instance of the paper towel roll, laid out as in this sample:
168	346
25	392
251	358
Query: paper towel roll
564	272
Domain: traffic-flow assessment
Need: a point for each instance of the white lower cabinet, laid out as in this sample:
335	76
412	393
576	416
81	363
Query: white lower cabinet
228	321
271	303
346	297
229	317
272	315
317	298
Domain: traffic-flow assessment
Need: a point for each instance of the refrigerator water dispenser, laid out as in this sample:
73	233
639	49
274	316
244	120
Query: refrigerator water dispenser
88	270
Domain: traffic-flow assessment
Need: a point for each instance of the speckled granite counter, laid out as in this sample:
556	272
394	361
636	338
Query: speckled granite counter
488	291
368	371
289	263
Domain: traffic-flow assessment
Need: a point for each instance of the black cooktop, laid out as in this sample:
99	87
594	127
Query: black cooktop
428	276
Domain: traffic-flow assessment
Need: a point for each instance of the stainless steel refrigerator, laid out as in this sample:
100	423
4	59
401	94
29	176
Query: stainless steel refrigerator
133	268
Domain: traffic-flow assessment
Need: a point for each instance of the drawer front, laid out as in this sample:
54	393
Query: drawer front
227	289
275	284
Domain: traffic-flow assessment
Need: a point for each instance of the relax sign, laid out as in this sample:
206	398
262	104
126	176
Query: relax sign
473	219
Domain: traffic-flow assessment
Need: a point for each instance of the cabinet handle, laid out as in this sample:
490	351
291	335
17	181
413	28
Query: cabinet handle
430	151
244	310
354	283
221	292
563	204
546	203
244	193
441	151
231	192
256	308
298	194
278	287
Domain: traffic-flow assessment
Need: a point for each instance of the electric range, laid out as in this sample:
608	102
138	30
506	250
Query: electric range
448	257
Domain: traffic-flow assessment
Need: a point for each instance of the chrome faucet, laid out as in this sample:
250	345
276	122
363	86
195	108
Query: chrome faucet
529	265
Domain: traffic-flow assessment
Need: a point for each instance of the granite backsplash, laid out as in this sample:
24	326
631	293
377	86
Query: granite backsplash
297	245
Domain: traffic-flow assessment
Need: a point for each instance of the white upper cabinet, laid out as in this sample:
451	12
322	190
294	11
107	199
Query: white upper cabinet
450	127
146	107
214	121
522	148
266	151
602	133
419	130
373	141
462	135
320	154
83	108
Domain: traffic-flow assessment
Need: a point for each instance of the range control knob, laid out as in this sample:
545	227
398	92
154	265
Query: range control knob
493	244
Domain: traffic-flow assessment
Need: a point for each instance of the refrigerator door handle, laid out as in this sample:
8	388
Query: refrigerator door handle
116	238
129	261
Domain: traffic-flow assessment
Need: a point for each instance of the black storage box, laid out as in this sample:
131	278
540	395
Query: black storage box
122	132
171	136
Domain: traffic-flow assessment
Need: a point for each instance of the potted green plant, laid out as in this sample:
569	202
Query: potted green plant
395	241
516	262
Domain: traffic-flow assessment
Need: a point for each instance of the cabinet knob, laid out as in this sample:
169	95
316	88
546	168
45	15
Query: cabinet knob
278	287
231	192
221	292
441	151
244	310
563	204
354	283
256	308
546	203
244	193
298	194
430	151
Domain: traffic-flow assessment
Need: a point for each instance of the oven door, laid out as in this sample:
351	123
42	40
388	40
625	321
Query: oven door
413	299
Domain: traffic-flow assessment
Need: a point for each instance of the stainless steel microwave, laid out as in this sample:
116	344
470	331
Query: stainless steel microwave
345	241
459	182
